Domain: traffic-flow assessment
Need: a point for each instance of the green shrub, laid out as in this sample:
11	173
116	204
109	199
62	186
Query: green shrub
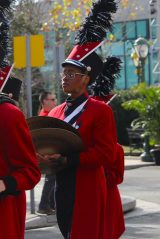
147	105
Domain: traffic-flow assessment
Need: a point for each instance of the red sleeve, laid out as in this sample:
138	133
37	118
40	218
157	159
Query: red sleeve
19	150
116	172
102	153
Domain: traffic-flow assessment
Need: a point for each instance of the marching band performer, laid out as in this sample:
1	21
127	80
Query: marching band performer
82	197
19	169
101	90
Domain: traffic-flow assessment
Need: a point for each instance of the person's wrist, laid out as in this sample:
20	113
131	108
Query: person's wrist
2	186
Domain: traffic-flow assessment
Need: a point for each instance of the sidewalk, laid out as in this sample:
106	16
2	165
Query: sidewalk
132	162
36	221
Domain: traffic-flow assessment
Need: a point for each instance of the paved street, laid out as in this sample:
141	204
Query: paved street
141	227
143	184
44	233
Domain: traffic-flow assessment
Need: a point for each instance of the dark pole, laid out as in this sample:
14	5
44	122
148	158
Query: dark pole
29	103
138	68
142	60
146	155
125	72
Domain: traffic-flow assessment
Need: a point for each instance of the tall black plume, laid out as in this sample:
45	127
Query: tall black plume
105	81
98	22
4	29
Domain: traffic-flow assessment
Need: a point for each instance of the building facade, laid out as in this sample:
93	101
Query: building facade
135	19
132	20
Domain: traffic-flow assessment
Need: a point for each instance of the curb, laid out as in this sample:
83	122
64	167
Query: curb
134	166
128	204
36	221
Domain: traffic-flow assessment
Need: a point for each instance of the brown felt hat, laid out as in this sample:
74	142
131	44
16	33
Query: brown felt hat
52	136
55	140
37	122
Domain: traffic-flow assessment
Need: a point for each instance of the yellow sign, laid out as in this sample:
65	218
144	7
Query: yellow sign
19	46
36	51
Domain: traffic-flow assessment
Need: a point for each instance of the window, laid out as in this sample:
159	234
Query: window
118	31
125	33
142	29
131	30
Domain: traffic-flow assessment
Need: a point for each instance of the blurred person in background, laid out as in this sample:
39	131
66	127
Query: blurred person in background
47	203
47	103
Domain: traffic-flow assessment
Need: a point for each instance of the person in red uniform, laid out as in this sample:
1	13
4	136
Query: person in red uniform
81	194
82	187
18	162
101	90
47	203
114	222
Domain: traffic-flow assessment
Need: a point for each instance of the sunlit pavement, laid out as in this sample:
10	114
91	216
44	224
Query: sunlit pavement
142	184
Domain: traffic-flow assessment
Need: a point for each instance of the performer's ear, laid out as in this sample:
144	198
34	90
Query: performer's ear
85	80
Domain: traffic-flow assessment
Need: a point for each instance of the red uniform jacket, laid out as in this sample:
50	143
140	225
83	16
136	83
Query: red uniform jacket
115	224
98	132
43	112
18	164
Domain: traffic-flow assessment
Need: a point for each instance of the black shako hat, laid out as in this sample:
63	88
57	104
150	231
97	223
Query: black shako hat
13	86
90	36
84	57
9	84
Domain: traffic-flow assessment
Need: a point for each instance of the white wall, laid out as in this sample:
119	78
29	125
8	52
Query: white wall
137	9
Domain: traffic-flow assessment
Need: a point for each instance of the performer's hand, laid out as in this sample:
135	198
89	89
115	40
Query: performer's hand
56	158
2	186
55	161
52	156
43	161
58	162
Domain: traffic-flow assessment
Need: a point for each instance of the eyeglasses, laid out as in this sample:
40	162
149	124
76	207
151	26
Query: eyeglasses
51	99
70	76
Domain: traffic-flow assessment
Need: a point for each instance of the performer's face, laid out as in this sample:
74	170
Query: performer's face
74	82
